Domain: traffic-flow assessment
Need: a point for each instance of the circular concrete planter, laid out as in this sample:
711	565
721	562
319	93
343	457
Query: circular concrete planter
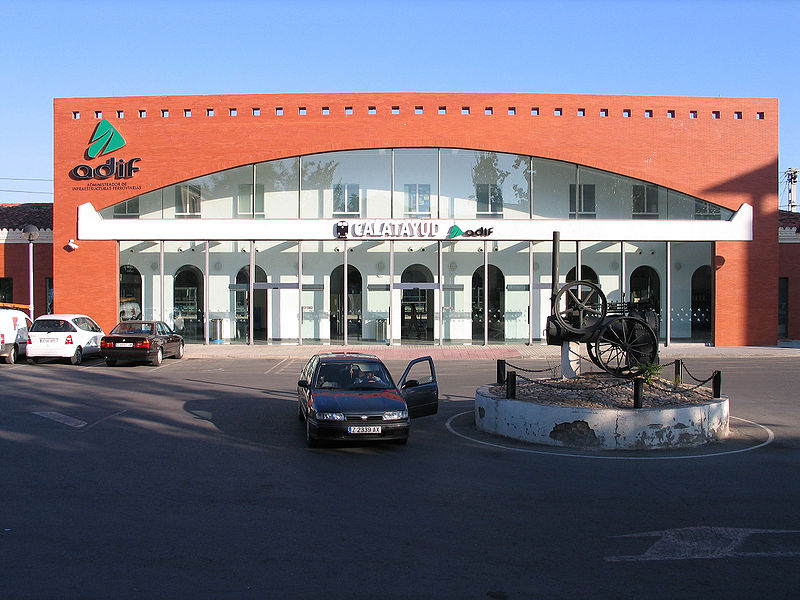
604	428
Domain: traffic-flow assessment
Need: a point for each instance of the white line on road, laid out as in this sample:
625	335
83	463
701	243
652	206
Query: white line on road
55	416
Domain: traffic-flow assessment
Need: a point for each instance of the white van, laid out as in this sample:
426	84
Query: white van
14	325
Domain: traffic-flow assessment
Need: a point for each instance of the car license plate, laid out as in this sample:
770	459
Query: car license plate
124	344
364	429
49	340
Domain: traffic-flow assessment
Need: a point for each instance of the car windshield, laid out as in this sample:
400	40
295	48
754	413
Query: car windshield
52	325
353	375
131	328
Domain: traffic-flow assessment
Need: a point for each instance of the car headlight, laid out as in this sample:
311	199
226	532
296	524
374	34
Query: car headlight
395	415
329	416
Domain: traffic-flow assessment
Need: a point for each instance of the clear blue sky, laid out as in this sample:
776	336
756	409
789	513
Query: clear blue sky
51	49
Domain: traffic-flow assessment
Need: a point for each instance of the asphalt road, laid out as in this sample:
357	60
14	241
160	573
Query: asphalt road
193	480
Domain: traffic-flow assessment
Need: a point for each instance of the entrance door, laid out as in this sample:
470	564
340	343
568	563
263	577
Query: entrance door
242	304
497	305
188	302
416	305
337	298
701	304
130	293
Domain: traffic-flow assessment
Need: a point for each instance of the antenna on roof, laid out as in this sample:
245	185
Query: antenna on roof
791	178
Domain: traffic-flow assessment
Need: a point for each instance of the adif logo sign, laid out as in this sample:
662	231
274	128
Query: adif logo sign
105	140
456	231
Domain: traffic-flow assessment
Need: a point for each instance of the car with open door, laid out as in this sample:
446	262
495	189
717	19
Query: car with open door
352	396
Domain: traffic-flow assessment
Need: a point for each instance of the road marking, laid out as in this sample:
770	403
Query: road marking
769	440
701	543
273	368
55	416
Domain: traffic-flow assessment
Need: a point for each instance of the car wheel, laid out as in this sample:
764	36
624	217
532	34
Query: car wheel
311	441
179	353
76	358
12	355
159	357
111	362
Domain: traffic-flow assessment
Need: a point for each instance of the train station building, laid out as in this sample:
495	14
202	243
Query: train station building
415	218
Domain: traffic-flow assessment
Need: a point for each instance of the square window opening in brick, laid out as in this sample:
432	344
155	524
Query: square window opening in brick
76	114
187	112
326	110
302	111
670	114
395	110
760	116
120	114
626	112
535	111
278	111
488	110
417	110
372	110
648	114
558	112
142	114
209	112
603	112
232	112
512	110
164	113
715	114
692	114
348	110
442	110
256	112
98	114
737	115
465	110
581	112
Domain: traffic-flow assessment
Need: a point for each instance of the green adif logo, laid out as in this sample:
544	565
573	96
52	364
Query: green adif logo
456	231
104	140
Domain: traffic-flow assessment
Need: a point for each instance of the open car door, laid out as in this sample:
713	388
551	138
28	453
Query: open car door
419	388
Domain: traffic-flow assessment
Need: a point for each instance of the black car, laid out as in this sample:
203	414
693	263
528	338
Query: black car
149	341
351	396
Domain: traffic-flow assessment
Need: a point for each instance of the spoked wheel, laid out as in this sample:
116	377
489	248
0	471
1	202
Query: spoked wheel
580	306
625	346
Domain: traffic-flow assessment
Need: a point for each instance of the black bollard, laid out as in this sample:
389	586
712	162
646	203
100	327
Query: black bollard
501	371
716	384
678	371
511	385
637	392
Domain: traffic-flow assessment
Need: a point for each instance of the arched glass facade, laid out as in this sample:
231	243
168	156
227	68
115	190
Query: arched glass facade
461	290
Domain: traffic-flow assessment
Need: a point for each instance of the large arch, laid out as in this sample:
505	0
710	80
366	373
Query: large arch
130	293
495	309
337	303
242	305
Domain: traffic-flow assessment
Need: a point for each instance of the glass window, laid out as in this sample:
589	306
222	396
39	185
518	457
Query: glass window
6	289
187	200
279	180
582	205
645	202
416	177
417	200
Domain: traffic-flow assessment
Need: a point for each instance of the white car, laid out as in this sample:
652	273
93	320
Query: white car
14	325
63	336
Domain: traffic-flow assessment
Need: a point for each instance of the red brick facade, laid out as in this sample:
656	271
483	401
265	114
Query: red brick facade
723	150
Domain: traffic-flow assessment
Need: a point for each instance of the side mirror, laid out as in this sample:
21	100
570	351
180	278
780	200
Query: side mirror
410	383
302	383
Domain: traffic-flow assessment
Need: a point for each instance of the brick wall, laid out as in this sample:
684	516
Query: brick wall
695	145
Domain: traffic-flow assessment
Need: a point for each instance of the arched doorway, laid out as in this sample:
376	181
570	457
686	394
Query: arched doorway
587	274
416	305
130	293
702	308
242	304
354	292
187	289
645	287
496	305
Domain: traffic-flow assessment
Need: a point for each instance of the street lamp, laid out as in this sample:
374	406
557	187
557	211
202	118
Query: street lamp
31	233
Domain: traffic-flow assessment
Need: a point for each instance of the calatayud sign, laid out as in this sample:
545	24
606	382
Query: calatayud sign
406	228
104	140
